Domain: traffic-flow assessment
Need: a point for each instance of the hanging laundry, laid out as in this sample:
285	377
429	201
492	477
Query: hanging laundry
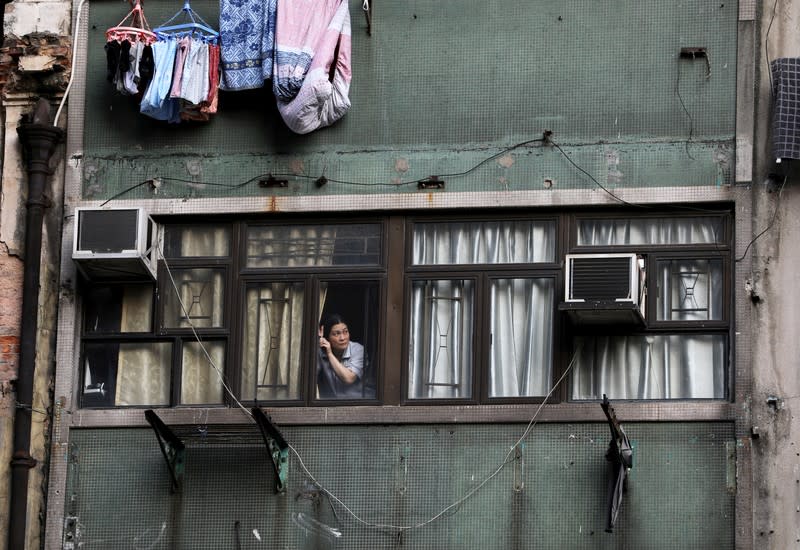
127	49
207	107
132	76
312	73
156	102
184	80
247	42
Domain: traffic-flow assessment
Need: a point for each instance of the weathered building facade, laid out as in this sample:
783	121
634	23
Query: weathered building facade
490	149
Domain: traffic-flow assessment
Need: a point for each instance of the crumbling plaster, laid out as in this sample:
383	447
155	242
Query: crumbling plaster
775	301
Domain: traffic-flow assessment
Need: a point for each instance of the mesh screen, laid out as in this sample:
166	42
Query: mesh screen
444	88
679	492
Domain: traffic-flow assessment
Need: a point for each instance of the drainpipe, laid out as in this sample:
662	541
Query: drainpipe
38	139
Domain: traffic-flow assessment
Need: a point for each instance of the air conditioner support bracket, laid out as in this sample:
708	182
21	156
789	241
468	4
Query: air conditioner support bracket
277	448
172	448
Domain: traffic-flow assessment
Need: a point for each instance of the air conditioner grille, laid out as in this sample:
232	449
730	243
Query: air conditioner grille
107	231
600	278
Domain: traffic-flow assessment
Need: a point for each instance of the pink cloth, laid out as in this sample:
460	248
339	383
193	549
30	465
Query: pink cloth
319	29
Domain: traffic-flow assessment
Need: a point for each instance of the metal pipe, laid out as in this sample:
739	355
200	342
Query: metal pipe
39	139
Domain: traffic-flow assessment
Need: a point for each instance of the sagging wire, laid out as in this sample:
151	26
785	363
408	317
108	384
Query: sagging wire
402	528
591	177
766	48
769	225
375	525
318	178
685	109
74	56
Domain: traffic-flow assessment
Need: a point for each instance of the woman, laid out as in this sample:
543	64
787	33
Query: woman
340	365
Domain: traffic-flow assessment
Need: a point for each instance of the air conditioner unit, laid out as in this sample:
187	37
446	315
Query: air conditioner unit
605	289
114	243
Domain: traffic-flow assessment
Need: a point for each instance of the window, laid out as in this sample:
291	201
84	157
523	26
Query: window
682	352
400	309
297	278
482	300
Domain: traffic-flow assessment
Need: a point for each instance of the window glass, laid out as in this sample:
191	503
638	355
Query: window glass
504	242
198	301
202	366
652	366
276	246
118	308
690	290
273	330
441	344
185	241
521	329
347	340
650	231
119	374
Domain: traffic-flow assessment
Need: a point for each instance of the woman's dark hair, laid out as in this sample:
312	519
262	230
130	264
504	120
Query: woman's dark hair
329	321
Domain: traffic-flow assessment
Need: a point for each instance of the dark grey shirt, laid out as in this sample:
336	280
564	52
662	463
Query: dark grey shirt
329	385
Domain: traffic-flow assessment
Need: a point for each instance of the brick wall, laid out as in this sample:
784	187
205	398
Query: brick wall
38	63
10	310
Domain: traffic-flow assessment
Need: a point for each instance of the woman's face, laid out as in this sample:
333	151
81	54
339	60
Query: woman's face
339	337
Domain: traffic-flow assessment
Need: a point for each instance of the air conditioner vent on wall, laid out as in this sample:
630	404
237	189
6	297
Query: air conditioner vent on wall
604	288
114	243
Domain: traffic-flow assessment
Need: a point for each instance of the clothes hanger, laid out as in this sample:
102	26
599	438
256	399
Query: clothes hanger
134	30
195	26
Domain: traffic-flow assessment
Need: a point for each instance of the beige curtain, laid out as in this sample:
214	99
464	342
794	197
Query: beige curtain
200	381
273	335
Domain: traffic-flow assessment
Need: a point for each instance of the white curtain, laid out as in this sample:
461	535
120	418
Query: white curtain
521	310
651	231
677	366
521	332
440	347
664	366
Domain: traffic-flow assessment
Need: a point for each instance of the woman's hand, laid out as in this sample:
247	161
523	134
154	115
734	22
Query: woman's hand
323	342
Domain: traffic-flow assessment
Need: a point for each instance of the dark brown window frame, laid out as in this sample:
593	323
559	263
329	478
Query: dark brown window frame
394	276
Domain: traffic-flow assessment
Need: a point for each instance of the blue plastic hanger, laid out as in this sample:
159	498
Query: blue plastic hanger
196	26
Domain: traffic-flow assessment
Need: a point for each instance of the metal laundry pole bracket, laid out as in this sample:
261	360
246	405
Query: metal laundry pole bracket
276	446
172	448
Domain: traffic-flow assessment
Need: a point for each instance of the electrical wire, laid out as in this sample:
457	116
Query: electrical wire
685	110
74	56
766	47
591	177
769	225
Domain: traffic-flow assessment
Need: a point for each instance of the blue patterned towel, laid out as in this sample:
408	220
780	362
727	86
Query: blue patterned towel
247	42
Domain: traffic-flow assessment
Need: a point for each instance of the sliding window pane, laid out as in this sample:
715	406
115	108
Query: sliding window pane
118	308
521	325
120	374
650	231
277	246
500	242
677	366
202	368
690	290
440	344
193	241
195	300
273	330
